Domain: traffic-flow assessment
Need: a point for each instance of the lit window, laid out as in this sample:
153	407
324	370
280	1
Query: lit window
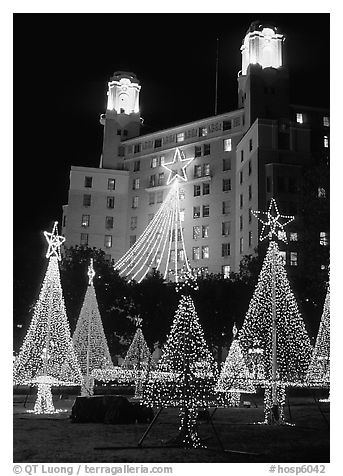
111	184
326	121
110	202
153	163
206	188
326	142
241	245
182	194
225	228
205	231
160	178
226	164
227	145
108	241
135	184
226	271
197	151
182	214
293	236
109	222
281	234
87	200
161	160
226	207
203	131
205	210
180	255
132	240
133	223
135	202
207	149
196	212
250	238
225	249
151	198
206	170
205	252
180	137
85	220
88	182
226	185
136	165
197	171
197	190
324	238
196	252
84	239
196	232
293	258
321	192
159	197
300	118
283	257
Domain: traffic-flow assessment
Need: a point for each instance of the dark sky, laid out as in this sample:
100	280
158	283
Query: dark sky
62	63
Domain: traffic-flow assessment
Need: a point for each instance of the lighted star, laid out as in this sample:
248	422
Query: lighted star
138	321
274	221
177	168
54	241
91	273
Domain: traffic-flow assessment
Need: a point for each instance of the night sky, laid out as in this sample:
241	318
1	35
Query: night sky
62	63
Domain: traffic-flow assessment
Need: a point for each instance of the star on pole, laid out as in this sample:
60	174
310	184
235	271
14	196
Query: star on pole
275	221
54	241
91	273
177	167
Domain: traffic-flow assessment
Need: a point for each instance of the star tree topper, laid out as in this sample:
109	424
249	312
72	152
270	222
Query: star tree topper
177	167
274	221
54	241
91	273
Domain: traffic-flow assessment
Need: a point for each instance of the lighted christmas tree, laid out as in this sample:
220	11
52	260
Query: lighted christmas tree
47	355
318	373
186	372
273	322
234	377
89	338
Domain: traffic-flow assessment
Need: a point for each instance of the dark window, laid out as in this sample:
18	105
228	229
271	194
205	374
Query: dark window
136	165
197	190
241	177
205	210
226	185
225	228
249	167
250	145
84	239
226	207
227	125
109	222
88	182
152	181
125	132
205	188
207	149
87	200
226	249
226	164
197	151
136	148
158	143
250	192
242	155
241	222
241	200
110	202
197	171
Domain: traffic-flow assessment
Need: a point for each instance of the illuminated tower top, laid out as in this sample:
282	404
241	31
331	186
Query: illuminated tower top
123	93
262	45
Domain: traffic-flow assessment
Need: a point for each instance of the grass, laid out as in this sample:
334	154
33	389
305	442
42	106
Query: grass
54	439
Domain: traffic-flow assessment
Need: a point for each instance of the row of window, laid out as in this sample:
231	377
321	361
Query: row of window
108	240
87	201
85	221
111	183
301	118
283	184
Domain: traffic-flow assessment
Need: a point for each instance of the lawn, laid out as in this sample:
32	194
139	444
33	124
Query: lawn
54	439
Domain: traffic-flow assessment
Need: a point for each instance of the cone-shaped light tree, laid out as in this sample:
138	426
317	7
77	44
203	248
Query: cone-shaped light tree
47	356
234	377
89	338
186	372
274	324
318	373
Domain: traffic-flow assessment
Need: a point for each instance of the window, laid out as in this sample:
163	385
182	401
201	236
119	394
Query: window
133	223
249	167
205	252
161	160
157	143
225	228
182	214
269	184
250	215
250	192
225	249
326	142
85	220
197	171
87	200
250	238
250	145
135	202
125	133
241	200
226	207
196	232
241	245
153	162
88	182
227	145
241	222
196	212
226	164
159	197
180	137
152	181
203	131
108	241
110	202
293	236
150	217
121	148
136	165
207	149
205	231
226	185
241	177
182	194
132	240
196	252
206	188
226	271
326	121
135	184
321	192
283	257
160	178
300	118
151	198
197	151
242	155
109	222
293	258
84	239
227	125
282	235
323	238
136	148
111	184
64	221
180	255
197	190
205	210
206	170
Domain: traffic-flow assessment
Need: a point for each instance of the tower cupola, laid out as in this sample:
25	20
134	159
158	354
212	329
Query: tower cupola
123	93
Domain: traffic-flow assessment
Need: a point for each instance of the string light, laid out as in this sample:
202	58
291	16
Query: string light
177	167
47	354
273	222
